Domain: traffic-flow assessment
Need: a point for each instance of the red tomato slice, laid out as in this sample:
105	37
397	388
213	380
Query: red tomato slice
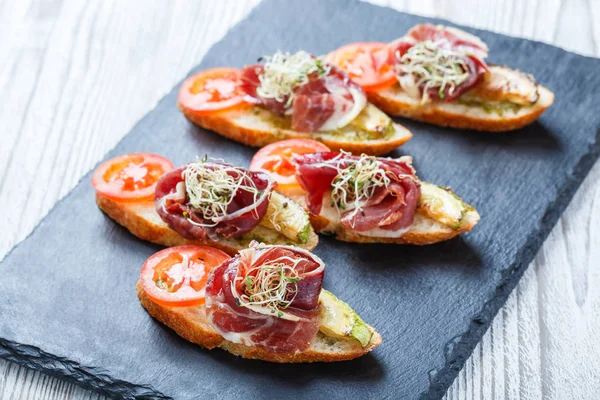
130	177
370	64
177	276
275	160
212	90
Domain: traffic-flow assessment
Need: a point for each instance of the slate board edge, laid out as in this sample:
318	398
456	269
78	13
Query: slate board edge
510	277
99	380
91	378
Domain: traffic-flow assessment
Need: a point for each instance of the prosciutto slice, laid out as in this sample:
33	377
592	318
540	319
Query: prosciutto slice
470	48
313	103
455	39
171	202
293	331
391	207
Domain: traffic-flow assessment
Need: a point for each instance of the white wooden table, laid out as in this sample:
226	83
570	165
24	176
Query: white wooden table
76	75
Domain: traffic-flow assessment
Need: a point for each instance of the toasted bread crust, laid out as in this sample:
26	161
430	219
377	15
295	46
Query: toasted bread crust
433	114
322	224
134	217
190	323
194	330
227	124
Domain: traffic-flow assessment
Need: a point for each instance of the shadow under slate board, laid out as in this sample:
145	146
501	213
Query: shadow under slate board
68	303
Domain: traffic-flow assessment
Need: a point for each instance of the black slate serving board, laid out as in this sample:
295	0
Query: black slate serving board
68	304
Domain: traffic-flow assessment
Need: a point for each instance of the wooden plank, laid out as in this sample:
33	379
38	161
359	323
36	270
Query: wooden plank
76	76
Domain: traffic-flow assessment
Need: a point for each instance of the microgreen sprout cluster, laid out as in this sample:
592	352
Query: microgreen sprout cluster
271	285
355	182
283	72
211	187
430	65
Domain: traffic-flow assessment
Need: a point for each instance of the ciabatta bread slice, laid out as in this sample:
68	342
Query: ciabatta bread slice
142	220
440	216
257	126
191	324
424	230
491	116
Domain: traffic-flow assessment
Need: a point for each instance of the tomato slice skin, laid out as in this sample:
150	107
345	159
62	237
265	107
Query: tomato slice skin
212	90
177	276
275	160
369	64
130	177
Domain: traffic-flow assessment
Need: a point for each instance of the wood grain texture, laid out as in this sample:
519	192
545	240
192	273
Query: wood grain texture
77	75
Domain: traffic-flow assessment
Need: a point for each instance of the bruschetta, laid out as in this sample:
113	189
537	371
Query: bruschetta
265	303
289	96
202	203
365	198
439	75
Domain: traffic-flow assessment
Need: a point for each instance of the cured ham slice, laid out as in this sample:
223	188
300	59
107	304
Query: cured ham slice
320	104
246	205
390	207
467	49
250	82
286	323
454	39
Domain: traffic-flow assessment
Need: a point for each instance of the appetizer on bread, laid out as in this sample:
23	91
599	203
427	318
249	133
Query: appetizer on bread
264	303
365	198
289	96
439	75
204	202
